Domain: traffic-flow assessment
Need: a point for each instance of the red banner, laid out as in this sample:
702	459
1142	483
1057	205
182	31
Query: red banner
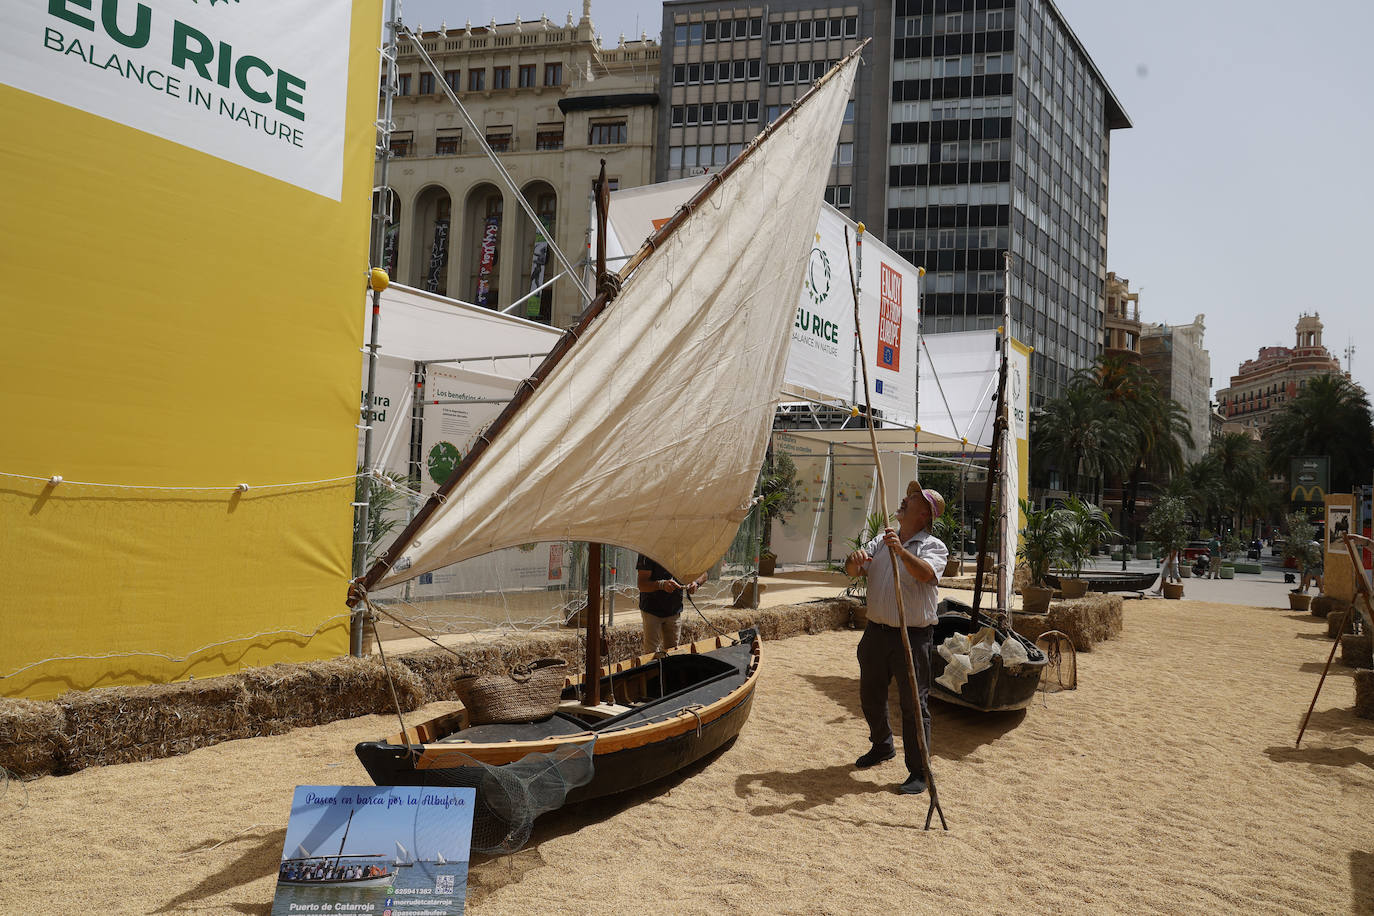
890	319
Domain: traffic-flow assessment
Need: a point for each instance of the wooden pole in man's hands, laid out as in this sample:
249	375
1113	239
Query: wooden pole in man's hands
896	564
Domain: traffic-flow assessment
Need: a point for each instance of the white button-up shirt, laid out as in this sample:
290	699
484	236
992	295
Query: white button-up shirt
919	599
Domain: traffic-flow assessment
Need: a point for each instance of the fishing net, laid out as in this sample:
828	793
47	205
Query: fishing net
509	798
1061	670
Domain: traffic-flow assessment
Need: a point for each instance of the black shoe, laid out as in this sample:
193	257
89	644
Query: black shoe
874	757
914	785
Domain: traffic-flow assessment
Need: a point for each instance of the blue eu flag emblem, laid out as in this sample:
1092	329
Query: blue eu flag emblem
878	385
888	356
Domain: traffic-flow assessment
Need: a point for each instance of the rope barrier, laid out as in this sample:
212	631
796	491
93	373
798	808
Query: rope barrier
57	480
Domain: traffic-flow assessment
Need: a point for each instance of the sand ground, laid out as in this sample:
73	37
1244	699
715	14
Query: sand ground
1166	783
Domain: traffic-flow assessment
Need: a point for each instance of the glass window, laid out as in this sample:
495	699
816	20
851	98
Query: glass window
500	78
849	112
751	111
549	138
403	84
708	72
851	27
737	112
679	74
774	32
709	32
693	74
526	76
680	35
756	27
722	112
754	69
607	133
774	74
452	78
804	30
693	114
844	154
694	33
789	31
739	69
448	143
675	157
789	73
679	115
553	74
995	20
477	80
498	138
426	83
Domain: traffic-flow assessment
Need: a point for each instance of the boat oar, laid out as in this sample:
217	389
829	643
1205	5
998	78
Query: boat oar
896	564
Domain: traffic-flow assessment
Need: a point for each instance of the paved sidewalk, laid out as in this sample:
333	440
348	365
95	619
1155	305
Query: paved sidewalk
1267	589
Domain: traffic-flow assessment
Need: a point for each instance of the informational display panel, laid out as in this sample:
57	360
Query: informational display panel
184	244
387	851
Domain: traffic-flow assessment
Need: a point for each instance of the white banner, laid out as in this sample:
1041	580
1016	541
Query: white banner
820	359
260	85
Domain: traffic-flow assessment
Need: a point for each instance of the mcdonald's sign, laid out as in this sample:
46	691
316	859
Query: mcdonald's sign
1309	479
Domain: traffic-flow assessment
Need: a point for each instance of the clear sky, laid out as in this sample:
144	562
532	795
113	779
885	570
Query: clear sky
1243	192
425	821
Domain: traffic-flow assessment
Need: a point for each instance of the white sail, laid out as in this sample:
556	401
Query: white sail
650	432
402	855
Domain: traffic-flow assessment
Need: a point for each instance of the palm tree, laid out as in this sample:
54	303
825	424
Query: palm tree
1240	469
1330	416
1078	433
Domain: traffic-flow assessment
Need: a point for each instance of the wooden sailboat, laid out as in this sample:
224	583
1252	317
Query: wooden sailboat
999	686
644	428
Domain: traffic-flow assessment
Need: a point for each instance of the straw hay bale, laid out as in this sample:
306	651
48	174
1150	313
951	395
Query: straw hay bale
1355	651
32	742
1339	621
123	724
1364	693
285	696
1087	620
1326	605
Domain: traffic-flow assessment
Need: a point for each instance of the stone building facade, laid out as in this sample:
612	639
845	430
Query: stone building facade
1121	318
552	103
1174	356
1263	385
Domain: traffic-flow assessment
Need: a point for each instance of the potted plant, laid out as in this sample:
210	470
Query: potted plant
858	585
947	529
779	491
1082	526
1303	552
1167	526
1040	548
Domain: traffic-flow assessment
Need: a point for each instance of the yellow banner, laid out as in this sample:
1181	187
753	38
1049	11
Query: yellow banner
185	246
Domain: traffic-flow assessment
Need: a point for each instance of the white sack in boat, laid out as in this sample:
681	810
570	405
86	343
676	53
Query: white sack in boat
650	432
1013	653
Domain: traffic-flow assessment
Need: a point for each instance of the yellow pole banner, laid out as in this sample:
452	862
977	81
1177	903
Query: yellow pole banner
184	249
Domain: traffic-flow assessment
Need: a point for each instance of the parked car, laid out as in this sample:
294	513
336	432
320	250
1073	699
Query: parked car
1196	549
1276	547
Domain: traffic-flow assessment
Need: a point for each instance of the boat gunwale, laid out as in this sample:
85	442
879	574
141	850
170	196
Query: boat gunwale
437	755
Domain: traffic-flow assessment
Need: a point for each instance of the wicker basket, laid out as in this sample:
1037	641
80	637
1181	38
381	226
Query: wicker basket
528	693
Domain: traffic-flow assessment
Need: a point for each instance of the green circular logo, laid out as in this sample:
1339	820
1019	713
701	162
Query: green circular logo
443	458
818	276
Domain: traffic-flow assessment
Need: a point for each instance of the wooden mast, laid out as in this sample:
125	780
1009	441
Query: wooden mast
591	681
604	297
994	473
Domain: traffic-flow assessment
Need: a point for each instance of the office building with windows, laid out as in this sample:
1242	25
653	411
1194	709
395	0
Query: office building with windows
729	70
552	103
1000	130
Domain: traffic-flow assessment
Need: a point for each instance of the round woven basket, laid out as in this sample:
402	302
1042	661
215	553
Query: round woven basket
527	693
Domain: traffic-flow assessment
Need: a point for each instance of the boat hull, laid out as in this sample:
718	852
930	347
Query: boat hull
1104	581
708	693
998	688
379	881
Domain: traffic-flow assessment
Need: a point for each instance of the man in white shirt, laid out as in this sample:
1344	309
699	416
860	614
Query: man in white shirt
881	655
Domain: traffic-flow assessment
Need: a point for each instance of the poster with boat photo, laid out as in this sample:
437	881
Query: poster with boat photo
388	851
